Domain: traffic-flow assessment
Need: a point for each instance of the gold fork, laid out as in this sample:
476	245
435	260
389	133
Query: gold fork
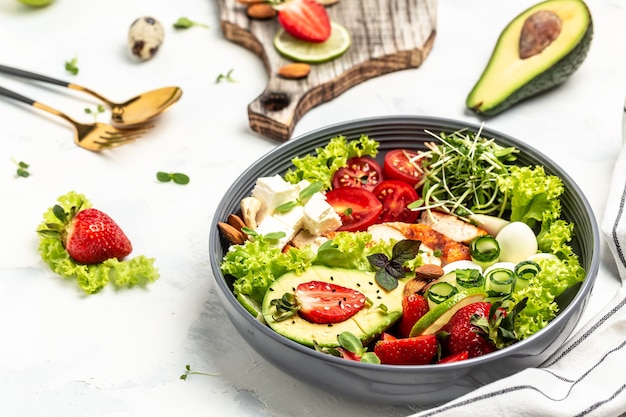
92	136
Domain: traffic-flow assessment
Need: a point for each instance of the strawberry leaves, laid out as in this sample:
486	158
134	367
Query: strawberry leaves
390	270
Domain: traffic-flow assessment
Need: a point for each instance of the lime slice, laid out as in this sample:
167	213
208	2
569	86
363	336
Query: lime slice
313	52
251	306
435	319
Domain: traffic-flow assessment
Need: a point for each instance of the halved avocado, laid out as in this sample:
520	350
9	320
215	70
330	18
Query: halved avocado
367	324
537	51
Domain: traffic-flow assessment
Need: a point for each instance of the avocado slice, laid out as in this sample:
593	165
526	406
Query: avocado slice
367	324
537	51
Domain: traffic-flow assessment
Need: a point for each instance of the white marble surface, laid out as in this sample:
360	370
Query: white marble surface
120	353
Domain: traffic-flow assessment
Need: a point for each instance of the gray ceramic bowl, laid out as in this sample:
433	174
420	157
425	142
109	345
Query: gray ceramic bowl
387	384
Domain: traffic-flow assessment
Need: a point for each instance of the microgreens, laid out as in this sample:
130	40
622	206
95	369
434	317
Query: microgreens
303	197
270	237
22	169
99	109
226	77
390	270
177	177
461	174
188	372
71	66
352	344
184	23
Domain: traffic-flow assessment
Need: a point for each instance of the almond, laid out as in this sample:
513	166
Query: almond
260	11
247	2
428	272
233	235
294	71
236	222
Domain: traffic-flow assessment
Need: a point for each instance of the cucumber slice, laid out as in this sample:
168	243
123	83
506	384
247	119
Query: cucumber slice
439	316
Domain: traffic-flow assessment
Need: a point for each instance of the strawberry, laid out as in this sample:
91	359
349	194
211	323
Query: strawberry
419	350
461	356
89	235
303	19
461	334
325	303
414	306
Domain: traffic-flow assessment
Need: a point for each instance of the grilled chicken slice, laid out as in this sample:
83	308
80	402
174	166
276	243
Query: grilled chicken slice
451	226
450	250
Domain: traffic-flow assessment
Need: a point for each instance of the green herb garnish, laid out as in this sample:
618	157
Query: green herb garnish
303	197
188	372
71	66
99	109
177	177
390	270
184	23
269	237
22	168
226	77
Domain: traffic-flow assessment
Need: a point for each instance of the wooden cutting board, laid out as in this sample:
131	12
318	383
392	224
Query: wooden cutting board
387	35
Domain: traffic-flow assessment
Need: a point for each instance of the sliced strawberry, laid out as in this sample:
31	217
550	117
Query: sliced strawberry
419	350
414	306
461	356
92	237
303	19
462	335
325	303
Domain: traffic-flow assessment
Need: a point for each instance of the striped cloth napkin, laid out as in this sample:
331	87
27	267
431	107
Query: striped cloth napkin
587	375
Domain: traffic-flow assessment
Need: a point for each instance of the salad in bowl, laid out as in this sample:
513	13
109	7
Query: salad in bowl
376	249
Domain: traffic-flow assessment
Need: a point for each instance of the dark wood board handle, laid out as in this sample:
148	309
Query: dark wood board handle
387	36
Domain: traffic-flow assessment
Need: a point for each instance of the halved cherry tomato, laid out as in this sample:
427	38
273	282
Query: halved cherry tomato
402	165
361	172
396	196
357	207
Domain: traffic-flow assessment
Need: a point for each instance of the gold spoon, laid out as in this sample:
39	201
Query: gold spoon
134	112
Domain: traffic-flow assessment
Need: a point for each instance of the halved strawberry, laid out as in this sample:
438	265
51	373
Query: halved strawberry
89	235
303	19
419	350
461	356
325	303
414	306
462	335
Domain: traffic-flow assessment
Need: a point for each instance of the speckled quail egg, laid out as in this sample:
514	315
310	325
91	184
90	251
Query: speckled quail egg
145	37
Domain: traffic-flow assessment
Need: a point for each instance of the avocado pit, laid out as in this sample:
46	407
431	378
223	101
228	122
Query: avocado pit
539	31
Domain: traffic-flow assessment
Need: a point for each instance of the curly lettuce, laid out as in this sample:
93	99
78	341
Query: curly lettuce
534	195
555	277
350	250
327	160
256	264
137	271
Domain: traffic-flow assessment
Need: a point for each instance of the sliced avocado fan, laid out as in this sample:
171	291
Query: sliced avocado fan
537	51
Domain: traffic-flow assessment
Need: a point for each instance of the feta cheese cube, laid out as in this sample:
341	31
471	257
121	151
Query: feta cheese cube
293	218
319	216
272	225
273	192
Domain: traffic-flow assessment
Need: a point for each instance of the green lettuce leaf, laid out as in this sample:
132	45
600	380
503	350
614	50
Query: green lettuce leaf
256	264
322	165
127	273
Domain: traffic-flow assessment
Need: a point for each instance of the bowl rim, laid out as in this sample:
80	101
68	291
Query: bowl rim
334	130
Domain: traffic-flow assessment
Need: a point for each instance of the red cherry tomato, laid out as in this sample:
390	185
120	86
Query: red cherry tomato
361	172
357	207
396	196
402	165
